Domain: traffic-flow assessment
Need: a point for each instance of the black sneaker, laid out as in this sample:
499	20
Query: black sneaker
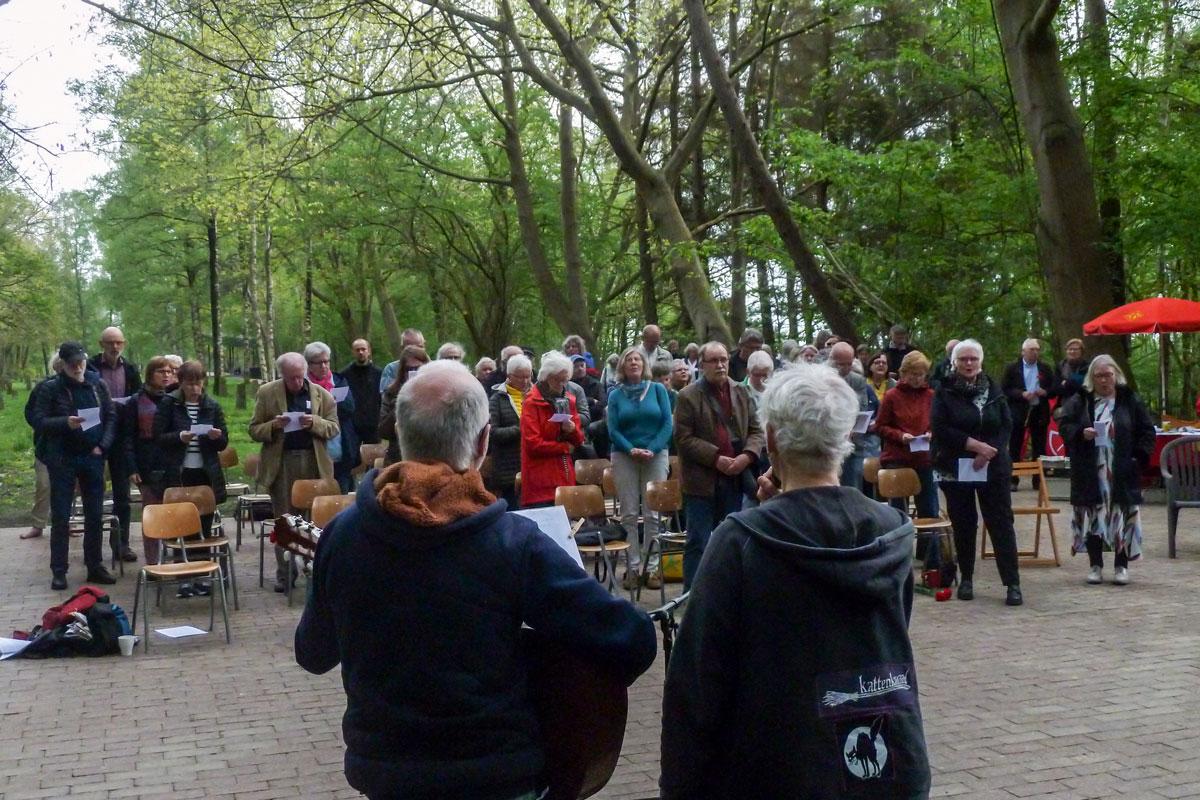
128	556
58	582
203	589
966	591
185	591
99	574
280	585
1014	596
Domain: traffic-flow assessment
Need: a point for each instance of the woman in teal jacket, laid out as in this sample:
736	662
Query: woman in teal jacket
639	427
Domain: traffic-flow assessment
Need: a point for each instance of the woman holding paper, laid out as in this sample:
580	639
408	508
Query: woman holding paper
550	431
190	431
137	431
1110	437
903	426
343	448
970	424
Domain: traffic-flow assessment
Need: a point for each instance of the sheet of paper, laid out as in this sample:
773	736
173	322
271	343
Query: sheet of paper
122	400
919	445
340	393
10	647
863	422
553	522
560	418
967	472
1101	439
200	429
293	423
180	632
91	417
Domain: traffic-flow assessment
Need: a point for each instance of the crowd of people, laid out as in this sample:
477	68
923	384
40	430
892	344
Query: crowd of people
783	439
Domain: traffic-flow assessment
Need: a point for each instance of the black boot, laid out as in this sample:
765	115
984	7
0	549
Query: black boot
59	581
98	574
966	591
1014	596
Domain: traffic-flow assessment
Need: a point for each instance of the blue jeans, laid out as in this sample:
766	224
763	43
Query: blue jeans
704	514
927	499
852	471
88	470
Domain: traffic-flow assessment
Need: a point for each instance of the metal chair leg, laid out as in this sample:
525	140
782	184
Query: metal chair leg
225	609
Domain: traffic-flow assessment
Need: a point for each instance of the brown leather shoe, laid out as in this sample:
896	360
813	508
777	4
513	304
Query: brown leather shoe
32	533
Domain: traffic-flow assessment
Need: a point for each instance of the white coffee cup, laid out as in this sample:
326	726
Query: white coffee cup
127	643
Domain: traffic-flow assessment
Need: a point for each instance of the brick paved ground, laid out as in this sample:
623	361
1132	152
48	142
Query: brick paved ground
1086	692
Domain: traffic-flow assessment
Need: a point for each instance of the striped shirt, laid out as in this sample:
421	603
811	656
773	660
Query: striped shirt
193	459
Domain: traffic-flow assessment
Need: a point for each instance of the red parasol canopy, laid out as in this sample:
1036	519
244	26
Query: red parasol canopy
1153	315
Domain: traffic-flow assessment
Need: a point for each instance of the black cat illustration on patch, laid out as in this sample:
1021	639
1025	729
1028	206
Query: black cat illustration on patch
866	752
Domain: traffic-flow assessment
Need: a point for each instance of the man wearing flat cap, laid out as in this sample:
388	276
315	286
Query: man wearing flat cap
76	426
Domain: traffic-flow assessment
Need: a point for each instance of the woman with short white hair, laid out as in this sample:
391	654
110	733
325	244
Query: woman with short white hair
970	423
759	367
1110	438
550	431
771	580
451	351
343	448
504	407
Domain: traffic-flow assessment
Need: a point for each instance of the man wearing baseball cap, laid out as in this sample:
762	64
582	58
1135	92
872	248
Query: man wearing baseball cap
76	426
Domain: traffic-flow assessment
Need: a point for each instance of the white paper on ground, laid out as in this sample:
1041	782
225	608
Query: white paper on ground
200	429
293	423
10	647
967	472
180	632
863	422
560	418
91	418
340	393
553	522
919	444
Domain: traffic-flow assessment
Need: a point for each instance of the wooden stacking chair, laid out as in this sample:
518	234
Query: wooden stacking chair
213	540
370	454
327	506
586	504
304	491
591	471
903	483
1180	467
608	485
108	522
871	471
1042	510
664	498
229	459
174	521
250	504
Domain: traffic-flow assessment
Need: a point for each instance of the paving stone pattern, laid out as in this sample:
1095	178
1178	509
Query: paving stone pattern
1085	692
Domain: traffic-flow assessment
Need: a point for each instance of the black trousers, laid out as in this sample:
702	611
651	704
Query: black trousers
1095	551
995	501
118	473
1035	419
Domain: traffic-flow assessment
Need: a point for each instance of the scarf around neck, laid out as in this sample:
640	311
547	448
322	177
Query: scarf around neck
429	495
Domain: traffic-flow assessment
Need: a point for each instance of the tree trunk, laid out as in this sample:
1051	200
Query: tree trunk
306	315
646	265
765	188
269	285
1069	233
1104	148
737	259
390	323
258	327
572	255
214	303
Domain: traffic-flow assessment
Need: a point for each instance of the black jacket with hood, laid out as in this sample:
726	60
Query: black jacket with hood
793	673
425	621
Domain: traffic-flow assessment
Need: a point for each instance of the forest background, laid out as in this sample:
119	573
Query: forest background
513	170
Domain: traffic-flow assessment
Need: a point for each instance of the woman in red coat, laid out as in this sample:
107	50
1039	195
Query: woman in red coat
550	431
903	426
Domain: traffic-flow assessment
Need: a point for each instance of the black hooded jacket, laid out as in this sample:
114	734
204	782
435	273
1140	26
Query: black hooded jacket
793	674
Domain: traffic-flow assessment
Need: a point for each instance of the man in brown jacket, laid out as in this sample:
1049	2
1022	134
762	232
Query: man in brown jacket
718	438
293	418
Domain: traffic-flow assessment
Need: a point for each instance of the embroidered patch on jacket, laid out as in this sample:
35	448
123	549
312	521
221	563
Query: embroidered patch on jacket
866	757
878	688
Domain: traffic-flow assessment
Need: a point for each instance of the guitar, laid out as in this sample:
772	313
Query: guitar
580	708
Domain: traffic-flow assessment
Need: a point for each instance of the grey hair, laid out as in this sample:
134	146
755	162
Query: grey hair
965	345
760	358
174	360
705	347
519	361
574	338
751	335
486	361
1103	360
1036	343
811	410
553	363
294	358
442	421
444	350
313	349
628	351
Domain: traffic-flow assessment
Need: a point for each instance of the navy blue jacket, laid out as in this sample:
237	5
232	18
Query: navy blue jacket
425	624
172	419
793	659
61	397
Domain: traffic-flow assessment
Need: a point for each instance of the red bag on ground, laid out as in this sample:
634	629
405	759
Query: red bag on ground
81	601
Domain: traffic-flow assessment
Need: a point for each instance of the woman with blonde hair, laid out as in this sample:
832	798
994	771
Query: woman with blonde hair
903	426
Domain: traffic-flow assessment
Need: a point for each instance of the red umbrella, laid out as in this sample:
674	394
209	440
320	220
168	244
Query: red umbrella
1161	315
1153	315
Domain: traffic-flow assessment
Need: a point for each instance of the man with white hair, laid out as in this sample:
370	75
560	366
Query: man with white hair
409	337
294	419
842	359
451	351
500	374
818	578
420	591
652	349
1028	384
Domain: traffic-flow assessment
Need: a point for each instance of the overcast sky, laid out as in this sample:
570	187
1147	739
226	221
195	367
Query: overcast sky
44	44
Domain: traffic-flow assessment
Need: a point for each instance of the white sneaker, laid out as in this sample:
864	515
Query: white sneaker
1095	575
1121	576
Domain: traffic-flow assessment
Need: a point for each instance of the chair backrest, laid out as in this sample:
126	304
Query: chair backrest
1180	466
327	506
871	470
580	501
369	452
170	520
200	496
305	490
228	458
251	465
901	482
664	497
673	468
591	470
608	483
